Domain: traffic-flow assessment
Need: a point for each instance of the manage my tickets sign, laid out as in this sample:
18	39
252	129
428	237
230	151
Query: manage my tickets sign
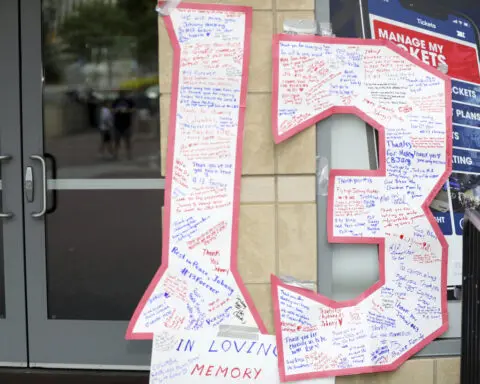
198	289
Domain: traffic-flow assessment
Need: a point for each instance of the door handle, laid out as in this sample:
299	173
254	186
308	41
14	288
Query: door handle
5	215
42	213
53	191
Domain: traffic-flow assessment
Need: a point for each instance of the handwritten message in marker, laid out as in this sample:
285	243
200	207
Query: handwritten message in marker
198	286
205	358
409	104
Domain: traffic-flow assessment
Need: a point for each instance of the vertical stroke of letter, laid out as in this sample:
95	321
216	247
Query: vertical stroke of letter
198	286
409	104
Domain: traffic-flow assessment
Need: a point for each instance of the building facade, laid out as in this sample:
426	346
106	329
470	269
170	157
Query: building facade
84	237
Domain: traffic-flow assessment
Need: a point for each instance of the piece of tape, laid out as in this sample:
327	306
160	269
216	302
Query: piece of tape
237	328
442	67
238	332
325	29
299	27
165	8
322	176
308	285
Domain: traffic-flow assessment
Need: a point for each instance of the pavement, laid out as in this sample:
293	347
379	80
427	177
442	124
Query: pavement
77	157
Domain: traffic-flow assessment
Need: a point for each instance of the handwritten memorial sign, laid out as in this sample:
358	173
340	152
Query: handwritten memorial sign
198	286
409	104
206	358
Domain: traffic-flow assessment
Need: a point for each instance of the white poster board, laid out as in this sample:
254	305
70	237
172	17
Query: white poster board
409	104
191	358
198	286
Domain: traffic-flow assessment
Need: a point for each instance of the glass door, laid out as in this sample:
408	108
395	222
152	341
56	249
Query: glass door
13	346
93	224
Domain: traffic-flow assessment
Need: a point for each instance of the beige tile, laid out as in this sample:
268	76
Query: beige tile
297	15
295	4
164	117
380	378
297	241
260	74
448	371
296	189
165	58
256	243
415	371
363	379
258	145
297	154
256	4
262	298
257	189
346	380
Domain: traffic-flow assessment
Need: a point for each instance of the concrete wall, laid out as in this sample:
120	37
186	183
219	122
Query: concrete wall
278	223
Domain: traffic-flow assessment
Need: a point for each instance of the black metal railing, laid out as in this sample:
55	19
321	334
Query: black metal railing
470	363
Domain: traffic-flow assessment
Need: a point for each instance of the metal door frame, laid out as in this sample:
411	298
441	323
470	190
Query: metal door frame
58	343
13	329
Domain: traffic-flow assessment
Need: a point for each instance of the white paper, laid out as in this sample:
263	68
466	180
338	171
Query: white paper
202	358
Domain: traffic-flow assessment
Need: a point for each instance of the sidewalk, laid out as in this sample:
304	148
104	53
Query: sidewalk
77	157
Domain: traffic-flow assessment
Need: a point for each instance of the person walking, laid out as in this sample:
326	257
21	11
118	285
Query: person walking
106	128
123	109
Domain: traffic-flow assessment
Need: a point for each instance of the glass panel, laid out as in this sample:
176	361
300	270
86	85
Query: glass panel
101	129
100	57
103	249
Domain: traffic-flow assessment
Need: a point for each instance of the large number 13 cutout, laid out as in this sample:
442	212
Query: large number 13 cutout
198	286
409	105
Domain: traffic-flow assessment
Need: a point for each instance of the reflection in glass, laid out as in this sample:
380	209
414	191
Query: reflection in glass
92	52
103	249
101	121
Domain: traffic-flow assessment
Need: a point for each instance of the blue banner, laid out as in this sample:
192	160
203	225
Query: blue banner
465	92
465	137
466	115
444	222
465	160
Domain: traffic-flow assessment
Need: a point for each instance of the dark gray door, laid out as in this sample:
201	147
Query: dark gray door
93	226
13	336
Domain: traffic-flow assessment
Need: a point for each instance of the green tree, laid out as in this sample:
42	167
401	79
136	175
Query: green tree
94	25
143	27
51	57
